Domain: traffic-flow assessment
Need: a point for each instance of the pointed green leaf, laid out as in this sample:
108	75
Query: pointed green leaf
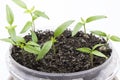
19	39
84	49
33	43
11	31
62	28
99	33
93	18
38	13
115	38
97	45
31	49
98	53
8	40
45	49
34	36
20	3
76	28
83	21
26	27
9	14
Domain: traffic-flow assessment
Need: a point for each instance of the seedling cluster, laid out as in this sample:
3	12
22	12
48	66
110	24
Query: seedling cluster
41	50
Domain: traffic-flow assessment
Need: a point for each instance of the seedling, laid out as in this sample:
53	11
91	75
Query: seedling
83	23
59	31
107	36
33	13
30	46
92	52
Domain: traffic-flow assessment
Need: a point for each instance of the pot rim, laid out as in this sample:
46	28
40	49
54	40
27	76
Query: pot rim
61	74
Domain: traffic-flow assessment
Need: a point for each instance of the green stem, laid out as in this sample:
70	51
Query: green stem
91	59
33	23
54	48
84	28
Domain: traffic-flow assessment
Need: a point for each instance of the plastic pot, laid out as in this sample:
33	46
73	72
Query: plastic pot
106	71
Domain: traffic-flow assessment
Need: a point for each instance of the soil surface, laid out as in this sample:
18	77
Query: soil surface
67	59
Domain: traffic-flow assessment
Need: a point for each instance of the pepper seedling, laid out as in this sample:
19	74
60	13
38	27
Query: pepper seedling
92	52
60	29
107	36
83	23
30	46
33	13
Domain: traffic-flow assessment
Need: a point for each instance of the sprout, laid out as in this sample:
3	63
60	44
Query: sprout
107	36
92	52
83	22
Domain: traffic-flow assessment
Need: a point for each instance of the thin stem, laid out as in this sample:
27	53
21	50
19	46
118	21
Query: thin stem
33	23
84	28
91	59
54	48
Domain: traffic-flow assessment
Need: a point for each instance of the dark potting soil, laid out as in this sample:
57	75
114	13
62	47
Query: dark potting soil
66	59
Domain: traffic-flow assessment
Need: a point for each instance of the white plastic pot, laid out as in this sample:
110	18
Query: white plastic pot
106	71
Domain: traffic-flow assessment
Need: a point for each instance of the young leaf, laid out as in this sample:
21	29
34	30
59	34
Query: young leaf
30	10
97	45
53	39
98	53
115	38
76	28
20	3
10	16
62	27
34	36
45	49
26	27
8	40
31	49
99	33
93	18
84	49
32	43
11	31
40	14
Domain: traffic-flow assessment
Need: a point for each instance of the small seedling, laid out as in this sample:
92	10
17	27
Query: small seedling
107	36
92	52
33	13
60	29
83	23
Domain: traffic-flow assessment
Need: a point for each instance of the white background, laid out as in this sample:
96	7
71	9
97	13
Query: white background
60	11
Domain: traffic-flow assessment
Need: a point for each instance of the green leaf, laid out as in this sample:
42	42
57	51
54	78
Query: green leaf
62	28
99	33
115	38
98	53
83	21
19	39
45	49
38	13
34	36
31	49
11	31
8	40
10	16
32	43
97	45
20	3
93	18
76	28
84	49
26	27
